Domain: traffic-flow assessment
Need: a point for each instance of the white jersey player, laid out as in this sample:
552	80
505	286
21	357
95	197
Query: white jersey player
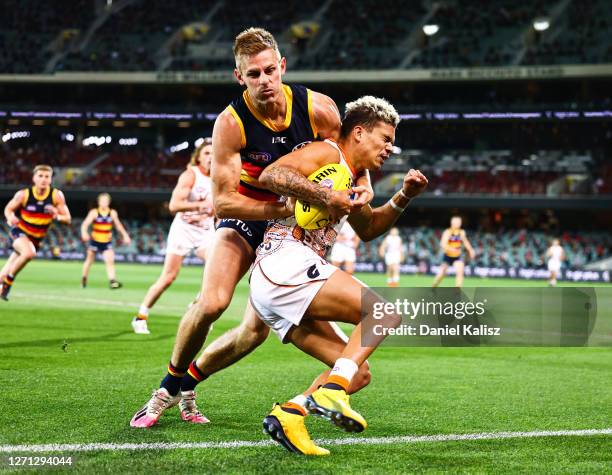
298	294
193	227
344	250
555	255
392	251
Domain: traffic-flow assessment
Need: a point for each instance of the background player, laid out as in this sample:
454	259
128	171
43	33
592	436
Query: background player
193	227
392	251
555	255
451	243
102	220
29	215
298	294
269	120
344	249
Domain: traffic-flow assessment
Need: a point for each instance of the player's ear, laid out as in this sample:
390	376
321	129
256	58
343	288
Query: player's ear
283	65
358	132
238	76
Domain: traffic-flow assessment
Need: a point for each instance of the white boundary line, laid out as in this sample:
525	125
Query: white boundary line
237	444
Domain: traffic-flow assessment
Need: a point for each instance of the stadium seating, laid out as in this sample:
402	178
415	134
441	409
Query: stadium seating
501	248
135	35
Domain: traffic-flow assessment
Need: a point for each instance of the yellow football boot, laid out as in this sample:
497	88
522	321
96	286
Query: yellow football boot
289	430
333	405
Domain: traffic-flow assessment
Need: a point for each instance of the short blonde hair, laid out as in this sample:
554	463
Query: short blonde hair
42	168
103	195
195	155
253	41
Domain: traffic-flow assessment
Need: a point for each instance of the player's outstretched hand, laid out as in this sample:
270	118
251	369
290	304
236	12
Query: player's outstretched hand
126	240
414	183
85	237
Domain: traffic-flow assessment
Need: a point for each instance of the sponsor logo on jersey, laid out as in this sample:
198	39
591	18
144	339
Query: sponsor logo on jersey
301	145
260	157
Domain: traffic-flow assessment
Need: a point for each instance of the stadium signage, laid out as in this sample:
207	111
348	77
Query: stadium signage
349	76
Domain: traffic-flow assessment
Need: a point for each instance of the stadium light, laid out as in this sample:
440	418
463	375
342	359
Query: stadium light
541	24
179	147
198	142
128	141
431	29
22	134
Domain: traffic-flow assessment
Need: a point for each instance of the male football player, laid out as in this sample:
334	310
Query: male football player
297	293
102	220
451	242
29	215
192	230
268	120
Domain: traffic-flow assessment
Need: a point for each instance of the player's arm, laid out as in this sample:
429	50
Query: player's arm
288	177
225	174
468	246
125	237
179	201
61	213
444	241
327	121
86	223
382	249
10	210
370	223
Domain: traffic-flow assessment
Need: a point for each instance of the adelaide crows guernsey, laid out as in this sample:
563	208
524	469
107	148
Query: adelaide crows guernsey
454	243
263	142
34	219
102	227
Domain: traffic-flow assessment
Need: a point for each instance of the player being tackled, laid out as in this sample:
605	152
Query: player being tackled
298	294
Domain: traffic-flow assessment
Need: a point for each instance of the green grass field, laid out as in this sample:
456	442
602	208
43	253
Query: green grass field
74	373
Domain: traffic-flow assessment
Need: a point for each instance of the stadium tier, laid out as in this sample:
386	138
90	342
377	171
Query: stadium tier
136	35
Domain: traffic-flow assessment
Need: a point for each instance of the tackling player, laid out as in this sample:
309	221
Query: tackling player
270	119
29	215
343	251
392	251
297	293
451	242
102	219
193	227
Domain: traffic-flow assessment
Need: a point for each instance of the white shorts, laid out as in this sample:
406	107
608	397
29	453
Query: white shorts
392	258
184	238
554	265
342	253
284	284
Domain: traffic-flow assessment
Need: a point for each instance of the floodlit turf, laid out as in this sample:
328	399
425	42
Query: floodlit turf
73	372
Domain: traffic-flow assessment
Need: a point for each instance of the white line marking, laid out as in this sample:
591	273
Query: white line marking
236	444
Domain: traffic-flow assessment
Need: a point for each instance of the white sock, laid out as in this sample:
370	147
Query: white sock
344	368
143	311
300	400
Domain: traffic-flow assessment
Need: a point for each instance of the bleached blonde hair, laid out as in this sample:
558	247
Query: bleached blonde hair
367	111
253	41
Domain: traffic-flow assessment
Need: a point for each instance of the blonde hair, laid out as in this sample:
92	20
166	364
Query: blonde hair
43	168
253	41
102	195
193	161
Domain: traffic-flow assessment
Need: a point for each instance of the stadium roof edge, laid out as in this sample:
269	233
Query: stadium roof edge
360	76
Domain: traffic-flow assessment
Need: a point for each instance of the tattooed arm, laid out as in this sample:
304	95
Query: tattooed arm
288	177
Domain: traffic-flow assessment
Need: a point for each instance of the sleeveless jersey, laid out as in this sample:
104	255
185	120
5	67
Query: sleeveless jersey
201	190
34	220
346	236
263	142
102	227
555	253
393	245
454	243
285	231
